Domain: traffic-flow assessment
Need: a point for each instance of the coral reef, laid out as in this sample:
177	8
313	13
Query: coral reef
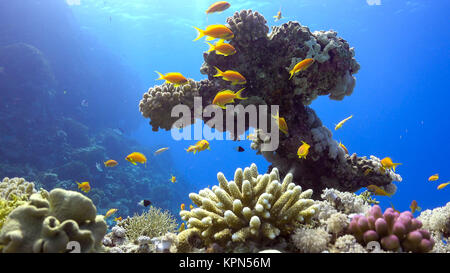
437	222
311	240
253	207
392	229
49	221
265	60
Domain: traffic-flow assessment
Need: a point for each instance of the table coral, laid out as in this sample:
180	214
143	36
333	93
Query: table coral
252	207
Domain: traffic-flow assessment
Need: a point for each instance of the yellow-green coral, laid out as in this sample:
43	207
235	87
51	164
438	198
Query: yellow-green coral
253	206
151	223
367	197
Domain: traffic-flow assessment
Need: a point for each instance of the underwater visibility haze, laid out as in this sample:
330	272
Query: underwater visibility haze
88	146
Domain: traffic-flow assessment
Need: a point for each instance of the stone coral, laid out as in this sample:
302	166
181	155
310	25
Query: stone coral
252	207
50	221
437	221
311	240
392	229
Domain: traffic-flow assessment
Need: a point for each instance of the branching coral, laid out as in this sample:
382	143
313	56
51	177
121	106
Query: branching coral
252	207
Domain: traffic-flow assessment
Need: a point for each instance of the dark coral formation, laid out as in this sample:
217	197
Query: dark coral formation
265	60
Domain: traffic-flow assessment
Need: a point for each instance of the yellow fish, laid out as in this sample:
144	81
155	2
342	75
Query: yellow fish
173	179
173	77
84	186
387	164
434	177
230	75
191	148
218	7
344	148
199	146
222	48
278	16
303	150
136	157
300	66
281	122
414	207
182	206
392	206
191	207
339	125
443	185
110	163
227	96
215	31
109	213
182	227
118	219
378	191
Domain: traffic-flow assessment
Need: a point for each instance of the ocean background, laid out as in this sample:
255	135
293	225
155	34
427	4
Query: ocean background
105	52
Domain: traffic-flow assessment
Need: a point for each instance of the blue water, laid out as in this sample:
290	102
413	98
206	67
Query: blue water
398	104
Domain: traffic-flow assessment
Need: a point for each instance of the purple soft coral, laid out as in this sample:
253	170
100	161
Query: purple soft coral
392	230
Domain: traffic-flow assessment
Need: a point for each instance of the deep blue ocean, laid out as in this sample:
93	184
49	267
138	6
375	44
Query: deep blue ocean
103	54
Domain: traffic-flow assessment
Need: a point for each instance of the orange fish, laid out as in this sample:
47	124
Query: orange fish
281	122
118	219
110	212
300	66
414	207
182	227
136	157
303	150
378	191
222	48
344	148
387	164
227	96
215	31
84	186
182	206
199	146
218	7
230	75
110	163
173	179
175	78
443	185
434	177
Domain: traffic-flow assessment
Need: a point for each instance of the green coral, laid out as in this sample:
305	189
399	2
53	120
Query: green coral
367	197
151	223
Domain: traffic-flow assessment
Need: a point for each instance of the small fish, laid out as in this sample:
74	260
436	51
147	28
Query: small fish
227	96
182	227
84	103
173	179
145	203
118	219
222	48
99	167
177	79
300	66
281	122
109	213
191	207
239	149
215	31
278	16
434	177
339	125
84	186
303	150
199	146
366	172
230	75
110	163
414	207
387	164
157	152
218	7
443	185
378	191
344	148
182	206
136	157
392	206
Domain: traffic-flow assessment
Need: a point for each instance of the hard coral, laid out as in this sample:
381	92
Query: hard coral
392	229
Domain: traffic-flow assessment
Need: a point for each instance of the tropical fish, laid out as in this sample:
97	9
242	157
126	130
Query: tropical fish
227	96
84	186
182	206
230	75
414	207
145	203
378	191
182	227
239	149
173	179
109	213
339	125
278	16
136	157
199	146
99	167
344	148
392	206
303	150
157	152
191	207
215	31
222	48
218	7
434	177
118	219
175	78
300	66
282	125
443	185
110	163
387	164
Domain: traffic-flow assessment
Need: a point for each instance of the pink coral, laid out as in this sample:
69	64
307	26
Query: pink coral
392	230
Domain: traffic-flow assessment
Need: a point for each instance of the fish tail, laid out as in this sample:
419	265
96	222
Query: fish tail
239	94
219	72
395	165
161	76
201	33
292	74
211	47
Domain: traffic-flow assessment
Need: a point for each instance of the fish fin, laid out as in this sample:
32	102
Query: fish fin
210	38
201	33
292	74
219	72
211	47
221	41
195	151
238	94
134	163
161	76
